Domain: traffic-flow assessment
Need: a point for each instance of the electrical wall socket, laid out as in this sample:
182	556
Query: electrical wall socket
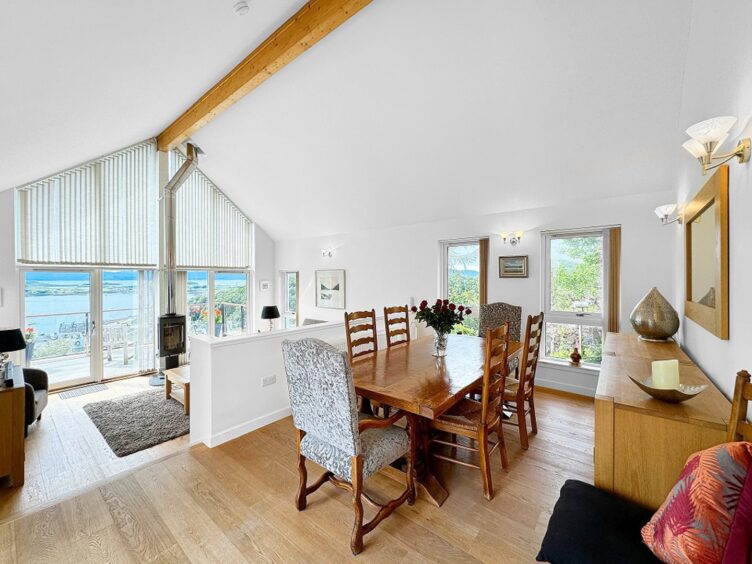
268	381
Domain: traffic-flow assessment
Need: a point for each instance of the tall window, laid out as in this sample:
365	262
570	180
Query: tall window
463	279
197	287
575	293
290	299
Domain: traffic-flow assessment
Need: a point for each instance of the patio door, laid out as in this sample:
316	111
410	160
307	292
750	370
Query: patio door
59	325
86	326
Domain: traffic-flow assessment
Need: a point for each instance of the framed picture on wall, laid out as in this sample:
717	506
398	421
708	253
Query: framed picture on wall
513	267
265	285
330	289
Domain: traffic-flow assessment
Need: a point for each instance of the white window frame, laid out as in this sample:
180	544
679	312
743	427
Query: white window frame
286	313
444	262
211	301
587	319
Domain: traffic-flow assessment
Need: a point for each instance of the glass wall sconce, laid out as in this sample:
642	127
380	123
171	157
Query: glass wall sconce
707	137
511	238
665	212
327	253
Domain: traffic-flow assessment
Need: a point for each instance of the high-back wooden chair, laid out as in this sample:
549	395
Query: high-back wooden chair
397	325
360	327
323	405
477	420
738	428
519	396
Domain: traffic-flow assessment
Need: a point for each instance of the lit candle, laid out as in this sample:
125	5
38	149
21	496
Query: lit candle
666	374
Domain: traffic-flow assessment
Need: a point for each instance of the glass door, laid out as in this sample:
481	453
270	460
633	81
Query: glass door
59	324
128	320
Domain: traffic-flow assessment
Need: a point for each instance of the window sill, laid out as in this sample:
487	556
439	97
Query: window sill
563	365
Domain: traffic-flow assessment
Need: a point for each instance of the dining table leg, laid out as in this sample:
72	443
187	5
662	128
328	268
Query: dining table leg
428	485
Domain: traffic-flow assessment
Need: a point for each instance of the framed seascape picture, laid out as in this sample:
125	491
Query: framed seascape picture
513	267
330	289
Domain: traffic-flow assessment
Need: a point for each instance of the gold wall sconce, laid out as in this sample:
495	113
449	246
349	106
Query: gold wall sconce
512	238
327	253
708	136
665	212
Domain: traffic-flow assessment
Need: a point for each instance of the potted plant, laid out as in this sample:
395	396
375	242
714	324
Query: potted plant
30	335
441	317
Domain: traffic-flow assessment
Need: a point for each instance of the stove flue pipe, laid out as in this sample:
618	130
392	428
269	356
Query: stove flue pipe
168	195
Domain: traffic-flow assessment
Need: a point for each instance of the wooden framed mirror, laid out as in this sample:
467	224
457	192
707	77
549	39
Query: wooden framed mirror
706	239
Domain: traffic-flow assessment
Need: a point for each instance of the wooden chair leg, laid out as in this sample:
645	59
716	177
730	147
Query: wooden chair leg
485	464
533	422
502	445
300	497
356	541
521	421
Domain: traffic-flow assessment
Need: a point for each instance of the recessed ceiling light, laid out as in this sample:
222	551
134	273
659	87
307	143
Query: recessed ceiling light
241	8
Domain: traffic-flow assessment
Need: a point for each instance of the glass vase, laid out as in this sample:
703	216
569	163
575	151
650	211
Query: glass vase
439	343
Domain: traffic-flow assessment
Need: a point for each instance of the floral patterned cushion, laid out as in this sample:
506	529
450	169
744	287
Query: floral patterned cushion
695	522
379	448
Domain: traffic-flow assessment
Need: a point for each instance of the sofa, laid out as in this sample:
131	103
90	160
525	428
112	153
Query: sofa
37	388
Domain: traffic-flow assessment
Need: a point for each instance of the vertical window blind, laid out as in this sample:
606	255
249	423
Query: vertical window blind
102	213
211	231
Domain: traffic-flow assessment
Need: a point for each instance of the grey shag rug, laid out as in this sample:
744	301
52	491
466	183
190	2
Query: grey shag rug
138	421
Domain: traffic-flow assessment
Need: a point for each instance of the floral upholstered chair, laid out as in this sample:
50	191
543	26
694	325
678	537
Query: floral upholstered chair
497	314
329	432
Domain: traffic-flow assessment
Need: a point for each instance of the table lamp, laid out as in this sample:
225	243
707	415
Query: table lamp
271	313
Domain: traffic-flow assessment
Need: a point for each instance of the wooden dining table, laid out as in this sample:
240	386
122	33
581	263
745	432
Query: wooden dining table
410	378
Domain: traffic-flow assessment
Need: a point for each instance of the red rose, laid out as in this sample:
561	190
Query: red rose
452	307
461	308
422	306
413	309
446	302
438	302
424	303
468	312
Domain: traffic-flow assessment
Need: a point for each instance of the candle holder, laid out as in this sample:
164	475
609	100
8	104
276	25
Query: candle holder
677	395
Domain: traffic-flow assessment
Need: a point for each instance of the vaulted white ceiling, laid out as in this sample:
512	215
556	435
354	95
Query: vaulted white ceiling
82	78
412	111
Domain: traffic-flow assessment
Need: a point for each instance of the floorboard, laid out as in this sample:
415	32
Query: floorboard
234	503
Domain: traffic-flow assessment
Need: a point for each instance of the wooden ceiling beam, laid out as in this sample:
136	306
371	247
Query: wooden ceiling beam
310	24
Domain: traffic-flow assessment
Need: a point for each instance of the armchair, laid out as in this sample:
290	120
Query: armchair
329	432
37	388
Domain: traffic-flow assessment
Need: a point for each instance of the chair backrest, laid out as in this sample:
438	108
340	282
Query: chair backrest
360	327
397	324
530	352
322	394
738	428
497	314
495	370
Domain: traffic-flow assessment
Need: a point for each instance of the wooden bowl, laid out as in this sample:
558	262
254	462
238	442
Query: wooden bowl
682	393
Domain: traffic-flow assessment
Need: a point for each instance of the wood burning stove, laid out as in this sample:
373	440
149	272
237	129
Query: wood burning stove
171	338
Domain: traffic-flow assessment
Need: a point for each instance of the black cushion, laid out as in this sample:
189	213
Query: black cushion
589	525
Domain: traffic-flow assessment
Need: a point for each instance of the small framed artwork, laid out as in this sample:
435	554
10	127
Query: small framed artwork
330	289
264	285
513	267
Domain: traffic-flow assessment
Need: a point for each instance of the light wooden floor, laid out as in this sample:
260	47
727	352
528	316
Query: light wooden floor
65	452
234	503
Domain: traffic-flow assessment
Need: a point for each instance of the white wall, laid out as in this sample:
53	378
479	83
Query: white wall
9	308
389	266
718	81
264	270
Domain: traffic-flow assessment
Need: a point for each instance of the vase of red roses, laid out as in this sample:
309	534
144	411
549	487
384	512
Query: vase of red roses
442	316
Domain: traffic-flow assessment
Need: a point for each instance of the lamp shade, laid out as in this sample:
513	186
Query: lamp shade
665	211
270	312
695	148
11	340
711	130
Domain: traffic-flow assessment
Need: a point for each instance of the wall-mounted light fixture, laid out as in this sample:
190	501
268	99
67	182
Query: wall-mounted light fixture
327	253
707	137
511	238
665	212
